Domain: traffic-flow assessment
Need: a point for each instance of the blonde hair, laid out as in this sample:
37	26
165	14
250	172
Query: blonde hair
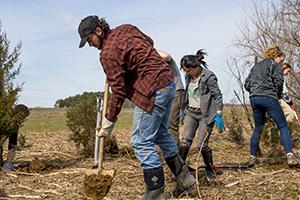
286	66
272	52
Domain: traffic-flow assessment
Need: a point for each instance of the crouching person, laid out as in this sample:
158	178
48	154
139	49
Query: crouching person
134	70
20	113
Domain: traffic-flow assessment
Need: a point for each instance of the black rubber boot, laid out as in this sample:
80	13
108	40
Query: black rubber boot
185	182
183	151
154	179
209	170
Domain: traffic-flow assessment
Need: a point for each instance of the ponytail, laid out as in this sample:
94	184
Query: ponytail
193	61
200	57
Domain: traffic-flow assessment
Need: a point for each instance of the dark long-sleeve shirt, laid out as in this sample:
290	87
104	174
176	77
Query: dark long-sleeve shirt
265	79
133	68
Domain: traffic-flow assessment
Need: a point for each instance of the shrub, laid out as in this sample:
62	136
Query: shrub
81	120
235	127
9	69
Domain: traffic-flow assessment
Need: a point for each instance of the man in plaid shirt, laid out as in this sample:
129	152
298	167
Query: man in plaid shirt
134	70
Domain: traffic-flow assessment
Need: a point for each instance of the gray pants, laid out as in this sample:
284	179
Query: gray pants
174	115
194	120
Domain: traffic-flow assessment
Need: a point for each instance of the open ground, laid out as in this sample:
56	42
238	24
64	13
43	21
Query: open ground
49	166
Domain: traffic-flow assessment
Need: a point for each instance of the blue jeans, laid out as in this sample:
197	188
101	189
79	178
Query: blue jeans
151	129
260	106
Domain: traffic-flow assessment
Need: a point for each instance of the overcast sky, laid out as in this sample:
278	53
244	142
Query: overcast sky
53	67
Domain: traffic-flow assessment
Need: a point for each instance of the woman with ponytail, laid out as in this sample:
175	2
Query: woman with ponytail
265	85
203	102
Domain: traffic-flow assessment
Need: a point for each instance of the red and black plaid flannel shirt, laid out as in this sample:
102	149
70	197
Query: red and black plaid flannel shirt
133	68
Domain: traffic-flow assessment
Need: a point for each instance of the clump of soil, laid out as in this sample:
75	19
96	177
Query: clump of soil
36	166
97	184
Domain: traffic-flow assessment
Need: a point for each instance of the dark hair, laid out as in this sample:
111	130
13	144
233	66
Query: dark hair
193	61
104	26
21	108
21	112
189	61
200	57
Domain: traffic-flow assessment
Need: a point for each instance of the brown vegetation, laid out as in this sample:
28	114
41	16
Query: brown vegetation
61	170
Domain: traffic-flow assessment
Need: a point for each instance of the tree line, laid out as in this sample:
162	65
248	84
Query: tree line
84	97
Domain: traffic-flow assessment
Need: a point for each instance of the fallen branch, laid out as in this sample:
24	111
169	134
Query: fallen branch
266	174
55	185
24	196
41	191
24	173
254	174
12	175
232	184
70	171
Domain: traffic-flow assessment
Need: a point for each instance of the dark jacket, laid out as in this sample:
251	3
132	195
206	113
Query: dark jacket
210	95
265	79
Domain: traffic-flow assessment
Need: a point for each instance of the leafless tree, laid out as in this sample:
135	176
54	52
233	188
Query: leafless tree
272	22
267	23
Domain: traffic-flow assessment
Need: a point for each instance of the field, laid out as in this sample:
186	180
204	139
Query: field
48	166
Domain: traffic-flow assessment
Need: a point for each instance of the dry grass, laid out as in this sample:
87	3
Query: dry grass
62	178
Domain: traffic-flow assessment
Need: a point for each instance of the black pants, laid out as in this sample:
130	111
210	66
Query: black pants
12	140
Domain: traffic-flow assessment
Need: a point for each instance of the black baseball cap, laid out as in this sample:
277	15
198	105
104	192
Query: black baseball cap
87	26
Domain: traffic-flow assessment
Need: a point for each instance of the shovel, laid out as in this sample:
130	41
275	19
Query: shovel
97	182
98	126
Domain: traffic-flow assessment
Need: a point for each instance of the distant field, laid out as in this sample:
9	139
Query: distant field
54	120
45	120
125	120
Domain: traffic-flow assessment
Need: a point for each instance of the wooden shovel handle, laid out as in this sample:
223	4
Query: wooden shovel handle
105	106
